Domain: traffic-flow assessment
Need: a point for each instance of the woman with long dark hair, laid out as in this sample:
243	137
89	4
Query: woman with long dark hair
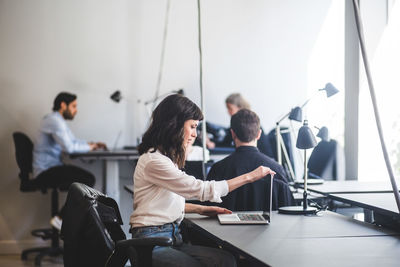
160	187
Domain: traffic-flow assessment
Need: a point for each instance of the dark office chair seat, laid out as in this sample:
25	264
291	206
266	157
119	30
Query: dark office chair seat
93	236
23	154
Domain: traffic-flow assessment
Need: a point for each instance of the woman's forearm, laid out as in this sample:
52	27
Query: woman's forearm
192	208
249	177
239	181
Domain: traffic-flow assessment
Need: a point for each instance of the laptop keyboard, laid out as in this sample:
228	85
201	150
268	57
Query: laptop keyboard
250	217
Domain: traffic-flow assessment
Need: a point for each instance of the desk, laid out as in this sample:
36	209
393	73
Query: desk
218	153
327	240
382	203
110	160
350	187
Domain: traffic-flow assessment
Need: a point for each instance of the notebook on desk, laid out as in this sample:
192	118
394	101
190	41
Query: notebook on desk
250	217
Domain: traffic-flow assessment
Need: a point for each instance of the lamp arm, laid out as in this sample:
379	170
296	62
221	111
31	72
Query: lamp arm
284	117
158	97
308	100
305	103
280	146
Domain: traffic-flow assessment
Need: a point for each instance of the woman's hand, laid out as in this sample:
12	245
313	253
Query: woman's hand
261	172
212	211
249	177
205	210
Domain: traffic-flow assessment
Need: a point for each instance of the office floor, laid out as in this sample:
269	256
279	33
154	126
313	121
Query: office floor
15	261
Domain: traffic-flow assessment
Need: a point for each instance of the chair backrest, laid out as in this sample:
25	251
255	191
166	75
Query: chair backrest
23	153
290	148
91	226
195	168
322	161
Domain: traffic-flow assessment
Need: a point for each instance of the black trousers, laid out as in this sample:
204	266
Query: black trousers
63	176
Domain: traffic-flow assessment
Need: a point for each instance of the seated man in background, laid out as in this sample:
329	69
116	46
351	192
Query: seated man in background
245	129
54	138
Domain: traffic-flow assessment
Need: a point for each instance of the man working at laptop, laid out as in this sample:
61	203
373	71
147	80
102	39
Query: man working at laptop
54	138
245	129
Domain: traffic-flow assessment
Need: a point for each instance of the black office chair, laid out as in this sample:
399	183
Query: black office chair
92	233
195	168
326	161
290	148
23	154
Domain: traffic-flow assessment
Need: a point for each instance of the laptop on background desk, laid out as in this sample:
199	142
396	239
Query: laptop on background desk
250	217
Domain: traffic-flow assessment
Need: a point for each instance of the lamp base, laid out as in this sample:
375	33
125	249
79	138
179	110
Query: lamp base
297	210
310	181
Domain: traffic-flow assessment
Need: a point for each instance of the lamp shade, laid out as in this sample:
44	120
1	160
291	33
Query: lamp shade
296	114
305	138
180	92
116	96
330	90
323	133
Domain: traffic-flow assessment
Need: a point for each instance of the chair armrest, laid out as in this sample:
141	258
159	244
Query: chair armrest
137	250
145	242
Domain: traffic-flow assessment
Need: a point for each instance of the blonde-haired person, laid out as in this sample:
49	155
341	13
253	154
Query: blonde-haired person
235	102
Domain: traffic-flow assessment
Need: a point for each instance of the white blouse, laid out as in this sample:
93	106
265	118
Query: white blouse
160	190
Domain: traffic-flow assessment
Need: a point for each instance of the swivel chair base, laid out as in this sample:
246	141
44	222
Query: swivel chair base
43	251
52	251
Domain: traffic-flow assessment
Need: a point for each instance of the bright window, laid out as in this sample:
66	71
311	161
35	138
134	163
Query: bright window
384	61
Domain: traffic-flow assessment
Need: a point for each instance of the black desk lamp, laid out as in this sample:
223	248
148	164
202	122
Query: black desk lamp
296	115
305	140
116	96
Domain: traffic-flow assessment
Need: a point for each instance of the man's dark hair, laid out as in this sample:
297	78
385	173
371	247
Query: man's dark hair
63	97
166	129
246	125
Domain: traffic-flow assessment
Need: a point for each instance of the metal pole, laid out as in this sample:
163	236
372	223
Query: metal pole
374	102
305	180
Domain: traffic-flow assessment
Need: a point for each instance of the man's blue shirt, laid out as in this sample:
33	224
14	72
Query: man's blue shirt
54	137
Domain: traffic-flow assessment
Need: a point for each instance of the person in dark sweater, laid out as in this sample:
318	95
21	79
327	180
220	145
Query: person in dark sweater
245	130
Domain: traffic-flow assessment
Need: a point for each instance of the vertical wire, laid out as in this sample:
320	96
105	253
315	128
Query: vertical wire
161	68
203	131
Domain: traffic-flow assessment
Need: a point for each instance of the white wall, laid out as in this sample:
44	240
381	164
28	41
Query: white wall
259	48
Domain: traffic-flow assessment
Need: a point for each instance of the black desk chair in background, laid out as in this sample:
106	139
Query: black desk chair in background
93	236
195	168
23	154
327	161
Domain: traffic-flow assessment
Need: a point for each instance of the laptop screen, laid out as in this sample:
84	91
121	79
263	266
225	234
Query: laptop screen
250	217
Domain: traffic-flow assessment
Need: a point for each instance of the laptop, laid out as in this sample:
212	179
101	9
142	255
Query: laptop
249	217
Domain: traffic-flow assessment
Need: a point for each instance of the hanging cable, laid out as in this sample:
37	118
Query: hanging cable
161	68
374	102
203	130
